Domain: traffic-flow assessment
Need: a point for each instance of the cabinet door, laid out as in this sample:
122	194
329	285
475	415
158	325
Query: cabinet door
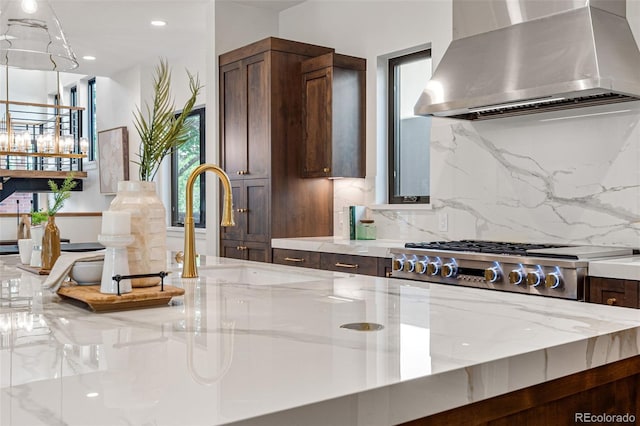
250	211
305	259
258	252
364	265
232	249
614	292
258	116
316	123
233	119
257	210
245	250
244	117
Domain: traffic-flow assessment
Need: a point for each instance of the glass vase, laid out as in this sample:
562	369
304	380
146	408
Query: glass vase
148	253
37	232
50	244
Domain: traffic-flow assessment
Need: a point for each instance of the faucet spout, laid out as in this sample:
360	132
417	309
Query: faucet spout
189	269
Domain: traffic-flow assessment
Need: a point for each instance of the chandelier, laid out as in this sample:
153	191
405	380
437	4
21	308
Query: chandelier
31	38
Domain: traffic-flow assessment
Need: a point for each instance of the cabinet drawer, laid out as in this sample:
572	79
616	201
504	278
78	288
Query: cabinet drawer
349	263
305	259
615	292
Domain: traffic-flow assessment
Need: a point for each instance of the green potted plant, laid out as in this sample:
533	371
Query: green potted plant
51	236
161	132
46	239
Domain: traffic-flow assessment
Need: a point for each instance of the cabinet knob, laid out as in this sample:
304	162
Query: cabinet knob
242	210
242	172
326	170
241	248
611	301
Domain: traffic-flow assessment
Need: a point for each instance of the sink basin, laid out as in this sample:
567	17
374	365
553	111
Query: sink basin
255	275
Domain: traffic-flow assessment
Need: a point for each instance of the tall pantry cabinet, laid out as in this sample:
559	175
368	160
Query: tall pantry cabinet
260	142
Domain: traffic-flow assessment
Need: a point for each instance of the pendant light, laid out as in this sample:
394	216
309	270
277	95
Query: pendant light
31	37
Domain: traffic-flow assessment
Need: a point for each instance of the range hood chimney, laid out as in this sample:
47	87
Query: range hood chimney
515	57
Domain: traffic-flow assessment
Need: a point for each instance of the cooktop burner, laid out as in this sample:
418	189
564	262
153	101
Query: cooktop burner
553	270
493	247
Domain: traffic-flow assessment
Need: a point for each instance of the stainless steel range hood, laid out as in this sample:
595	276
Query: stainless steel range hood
551	55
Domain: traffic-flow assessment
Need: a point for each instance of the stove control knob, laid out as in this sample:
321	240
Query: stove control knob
534	279
409	265
515	277
433	268
553	280
492	274
449	270
421	266
398	263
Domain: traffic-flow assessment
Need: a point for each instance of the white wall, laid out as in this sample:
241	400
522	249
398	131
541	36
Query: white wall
512	179
374	30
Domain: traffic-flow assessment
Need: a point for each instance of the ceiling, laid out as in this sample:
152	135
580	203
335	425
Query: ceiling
119	34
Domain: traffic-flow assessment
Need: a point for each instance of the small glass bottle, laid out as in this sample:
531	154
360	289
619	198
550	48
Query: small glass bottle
366	230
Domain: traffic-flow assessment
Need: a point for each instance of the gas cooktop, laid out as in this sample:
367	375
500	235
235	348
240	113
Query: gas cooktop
477	246
554	270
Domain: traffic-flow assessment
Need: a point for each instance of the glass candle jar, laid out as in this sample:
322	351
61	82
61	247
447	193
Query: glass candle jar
366	230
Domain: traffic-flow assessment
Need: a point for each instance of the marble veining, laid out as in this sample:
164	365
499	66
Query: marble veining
525	179
233	349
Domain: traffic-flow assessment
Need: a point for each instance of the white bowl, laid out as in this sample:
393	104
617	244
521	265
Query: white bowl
87	273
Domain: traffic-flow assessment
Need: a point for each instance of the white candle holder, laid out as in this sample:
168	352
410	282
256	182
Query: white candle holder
116	262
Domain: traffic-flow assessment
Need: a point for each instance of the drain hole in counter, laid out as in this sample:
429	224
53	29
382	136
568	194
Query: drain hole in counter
363	326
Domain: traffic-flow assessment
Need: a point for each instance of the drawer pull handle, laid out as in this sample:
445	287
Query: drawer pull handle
293	259
242	172
242	210
611	301
241	248
346	265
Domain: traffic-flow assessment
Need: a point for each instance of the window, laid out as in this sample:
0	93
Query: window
408	134
75	120
93	130
183	161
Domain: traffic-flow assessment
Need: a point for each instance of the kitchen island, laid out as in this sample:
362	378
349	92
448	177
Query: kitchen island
262	344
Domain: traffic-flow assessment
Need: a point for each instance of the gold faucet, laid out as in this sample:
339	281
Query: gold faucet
189	269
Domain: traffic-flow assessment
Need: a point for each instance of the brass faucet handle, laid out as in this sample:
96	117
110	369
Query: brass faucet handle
179	257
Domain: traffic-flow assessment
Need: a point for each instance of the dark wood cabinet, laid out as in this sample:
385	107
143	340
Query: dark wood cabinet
250	210
258	252
304	259
614	292
244	116
260	148
333	116
365	265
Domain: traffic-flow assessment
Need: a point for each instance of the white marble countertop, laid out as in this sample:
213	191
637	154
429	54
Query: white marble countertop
624	268
374	248
262	344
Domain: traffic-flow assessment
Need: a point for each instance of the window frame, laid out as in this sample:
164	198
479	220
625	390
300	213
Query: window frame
75	118
392	113
92	118
199	111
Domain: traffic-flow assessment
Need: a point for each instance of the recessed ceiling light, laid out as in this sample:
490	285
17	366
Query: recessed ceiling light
158	23
89	58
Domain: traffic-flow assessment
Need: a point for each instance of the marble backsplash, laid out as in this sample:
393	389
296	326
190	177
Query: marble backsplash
549	177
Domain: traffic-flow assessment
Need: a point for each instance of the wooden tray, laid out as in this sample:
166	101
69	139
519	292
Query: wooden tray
140	297
33	269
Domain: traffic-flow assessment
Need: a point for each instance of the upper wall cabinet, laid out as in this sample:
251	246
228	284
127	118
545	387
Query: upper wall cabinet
333	116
